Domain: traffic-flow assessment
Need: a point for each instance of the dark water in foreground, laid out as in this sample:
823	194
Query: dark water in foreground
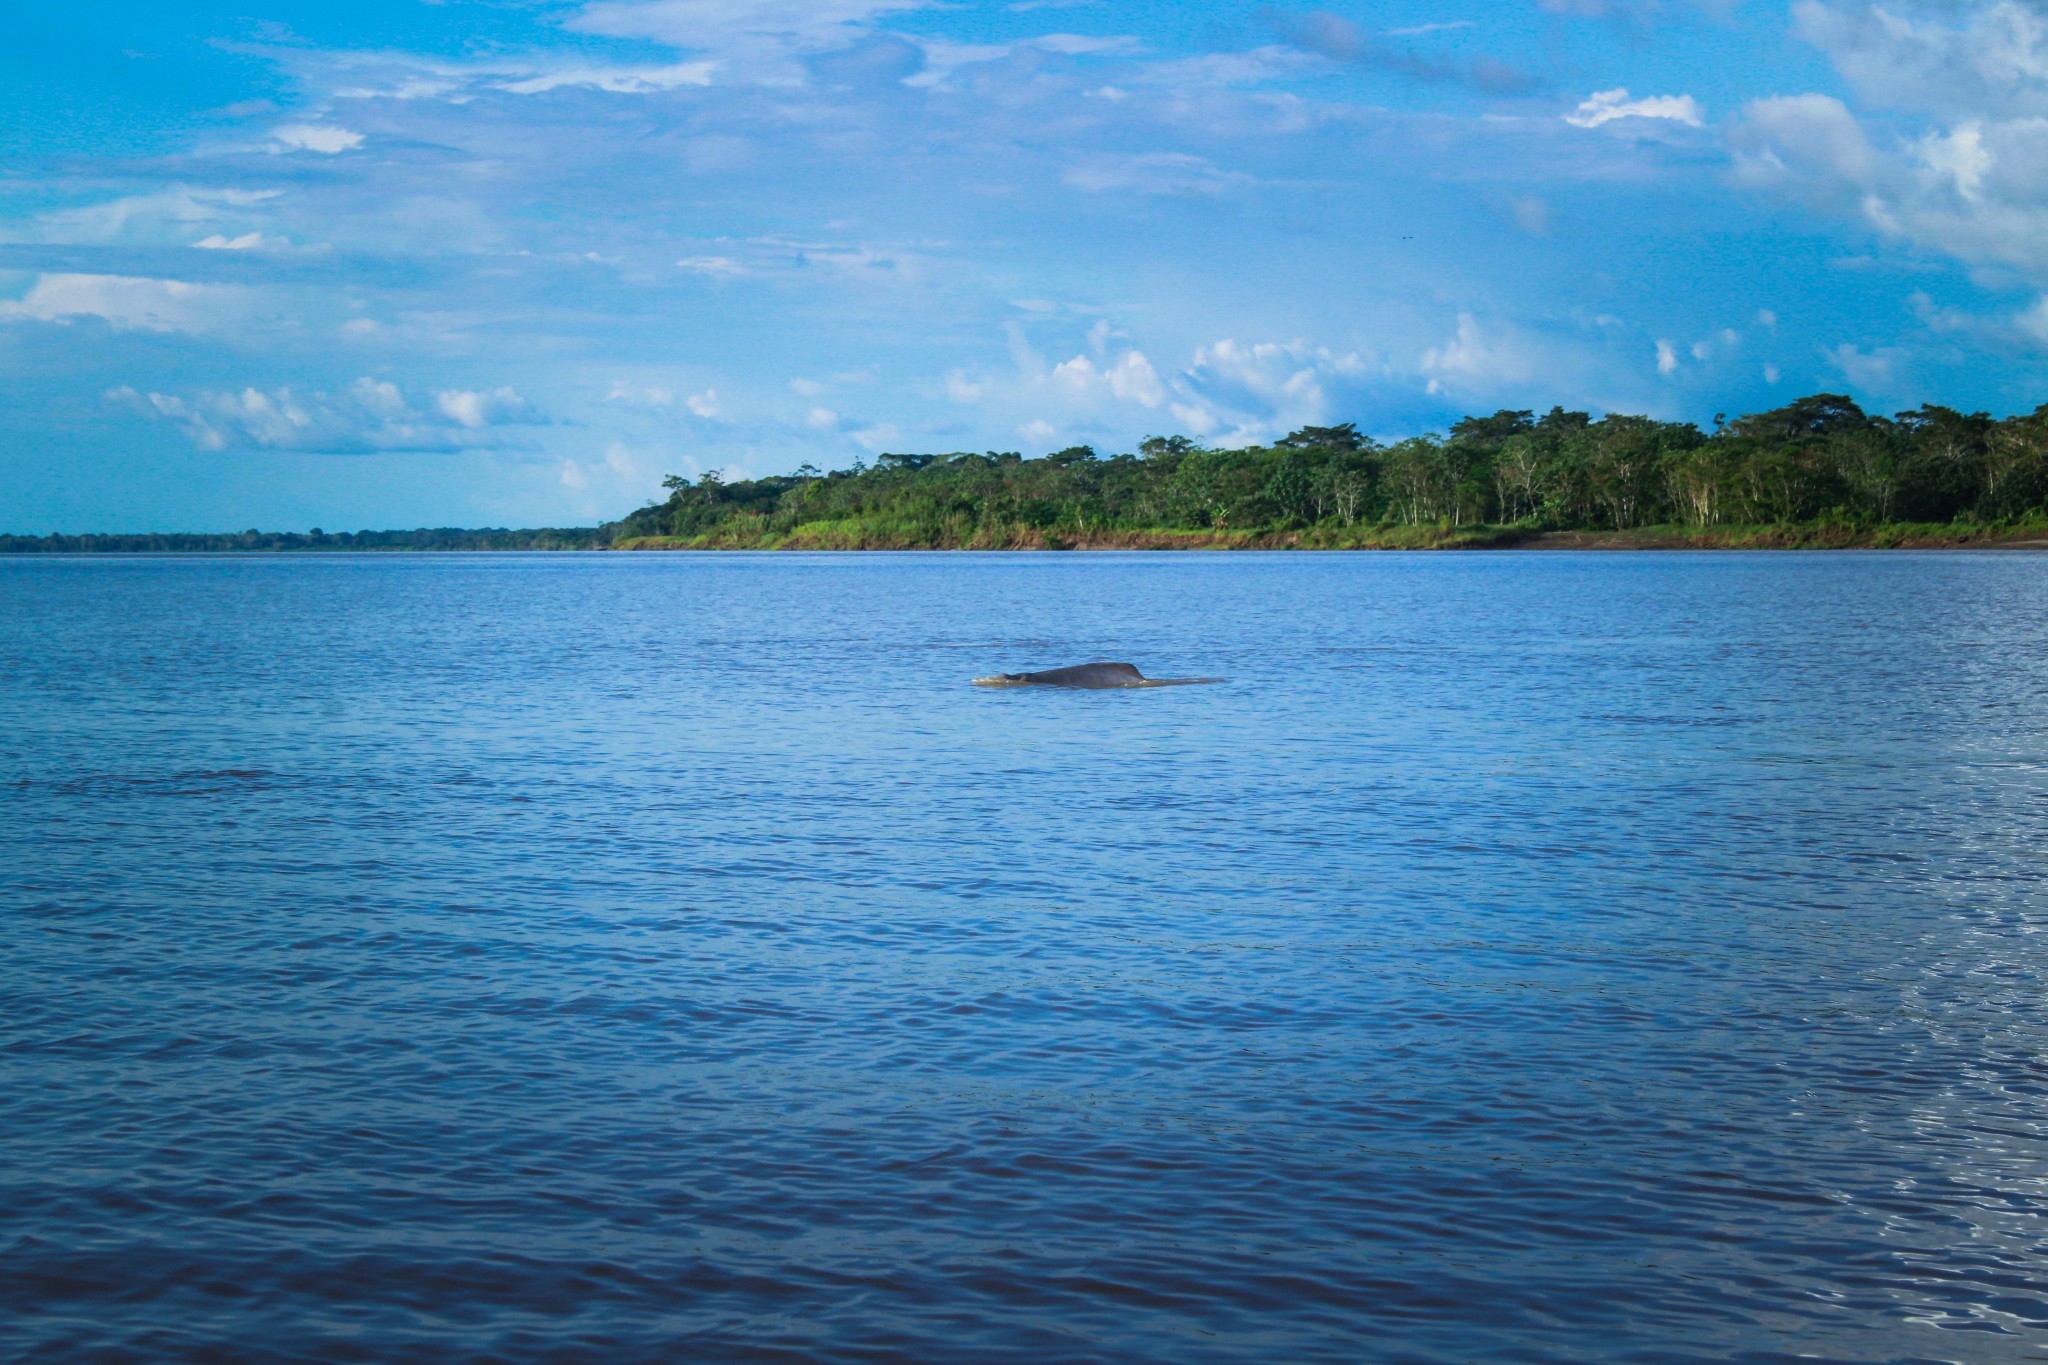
1586	958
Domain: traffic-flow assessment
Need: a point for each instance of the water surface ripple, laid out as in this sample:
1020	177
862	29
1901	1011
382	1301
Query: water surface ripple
1552	958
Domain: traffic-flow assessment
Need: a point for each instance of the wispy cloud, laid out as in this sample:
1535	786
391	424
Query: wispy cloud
1339	39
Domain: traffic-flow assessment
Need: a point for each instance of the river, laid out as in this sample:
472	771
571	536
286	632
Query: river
1520	957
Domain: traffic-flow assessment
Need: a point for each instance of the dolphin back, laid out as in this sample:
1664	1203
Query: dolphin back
1096	675
1086	675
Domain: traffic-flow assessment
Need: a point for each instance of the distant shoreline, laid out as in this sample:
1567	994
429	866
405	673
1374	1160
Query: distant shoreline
1798	536
1817	474
1818	536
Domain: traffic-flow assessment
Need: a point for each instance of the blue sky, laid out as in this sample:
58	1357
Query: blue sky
486	262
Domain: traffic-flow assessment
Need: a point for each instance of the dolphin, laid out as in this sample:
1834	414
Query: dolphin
1098	675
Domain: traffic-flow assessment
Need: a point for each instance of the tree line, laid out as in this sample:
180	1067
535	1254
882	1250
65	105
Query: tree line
1820	459
425	538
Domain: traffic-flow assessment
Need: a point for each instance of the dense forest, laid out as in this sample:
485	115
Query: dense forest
1818	471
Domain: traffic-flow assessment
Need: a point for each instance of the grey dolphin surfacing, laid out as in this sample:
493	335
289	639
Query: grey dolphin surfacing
1093	676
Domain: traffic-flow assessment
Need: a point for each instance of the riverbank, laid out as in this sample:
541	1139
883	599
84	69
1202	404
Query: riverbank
1808	536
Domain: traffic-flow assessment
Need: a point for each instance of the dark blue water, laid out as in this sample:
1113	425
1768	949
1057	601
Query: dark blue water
1575	958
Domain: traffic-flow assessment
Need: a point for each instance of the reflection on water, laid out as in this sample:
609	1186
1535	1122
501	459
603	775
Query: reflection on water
1552	958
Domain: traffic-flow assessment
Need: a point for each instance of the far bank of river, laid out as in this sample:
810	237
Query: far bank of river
884	535
1809	536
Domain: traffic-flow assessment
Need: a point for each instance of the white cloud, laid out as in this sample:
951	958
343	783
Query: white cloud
943	58
387	76
248	241
1972	185
1225	70
1177	173
1977	192
704	23
758	40
263	419
1865	370
704	404
618	80
1285	378
1605	106
1809	146
127	302
622	477
1667	358
868	264
325	138
1475	359
1531	214
641	395
887	264
1083	45
1631	12
380	398
2033	323
1230	392
1960	60
369	415
822	419
1131	379
718	267
479	408
167	215
404	77
1959	157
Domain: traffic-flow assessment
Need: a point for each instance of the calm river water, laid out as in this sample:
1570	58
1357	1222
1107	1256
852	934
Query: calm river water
1522	957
